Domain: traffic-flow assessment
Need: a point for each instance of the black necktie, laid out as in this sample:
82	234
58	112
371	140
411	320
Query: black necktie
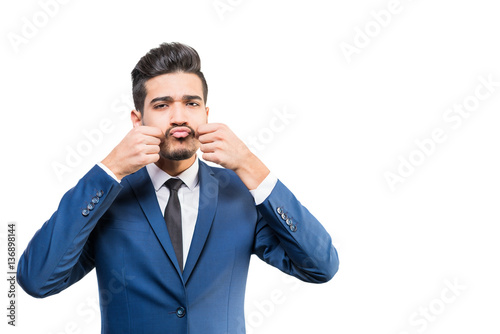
173	218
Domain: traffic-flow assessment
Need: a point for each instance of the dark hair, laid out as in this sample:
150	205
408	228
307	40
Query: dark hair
167	58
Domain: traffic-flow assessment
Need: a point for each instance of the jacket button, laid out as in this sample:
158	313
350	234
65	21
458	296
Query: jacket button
279	210
95	200
181	312
90	207
85	212
293	228
288	221
100	193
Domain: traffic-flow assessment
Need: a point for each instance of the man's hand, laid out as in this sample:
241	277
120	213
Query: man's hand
221	146
140	147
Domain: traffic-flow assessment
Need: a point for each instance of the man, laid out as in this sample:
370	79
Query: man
171	237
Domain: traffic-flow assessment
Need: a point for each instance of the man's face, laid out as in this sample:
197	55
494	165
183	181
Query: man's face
174	104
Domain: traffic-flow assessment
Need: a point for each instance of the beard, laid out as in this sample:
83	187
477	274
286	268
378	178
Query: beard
170	149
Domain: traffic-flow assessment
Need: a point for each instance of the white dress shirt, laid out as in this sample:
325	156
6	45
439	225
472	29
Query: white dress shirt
189	195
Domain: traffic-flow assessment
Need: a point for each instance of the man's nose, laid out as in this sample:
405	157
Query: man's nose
177	114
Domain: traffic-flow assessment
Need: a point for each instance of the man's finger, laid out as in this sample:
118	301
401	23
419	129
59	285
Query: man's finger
151	131
151	158
152	149
207	128
209	147
150	140
206	138
212	157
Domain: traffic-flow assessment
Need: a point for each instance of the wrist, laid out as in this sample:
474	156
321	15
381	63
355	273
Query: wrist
252	172
113	169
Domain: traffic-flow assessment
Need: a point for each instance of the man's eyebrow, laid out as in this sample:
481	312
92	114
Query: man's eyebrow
162	99
191	97
170	98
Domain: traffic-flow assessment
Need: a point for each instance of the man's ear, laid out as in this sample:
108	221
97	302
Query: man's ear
206	110
136	118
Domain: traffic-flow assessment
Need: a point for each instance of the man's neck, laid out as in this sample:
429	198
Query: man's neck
175	167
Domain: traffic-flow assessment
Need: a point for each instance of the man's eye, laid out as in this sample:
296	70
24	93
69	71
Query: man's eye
192	104
160	106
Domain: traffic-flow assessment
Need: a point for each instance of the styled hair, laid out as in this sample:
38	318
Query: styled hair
167	58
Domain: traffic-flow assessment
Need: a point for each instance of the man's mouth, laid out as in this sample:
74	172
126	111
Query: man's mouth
180	132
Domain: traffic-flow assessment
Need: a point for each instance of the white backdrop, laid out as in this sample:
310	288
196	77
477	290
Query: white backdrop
381	116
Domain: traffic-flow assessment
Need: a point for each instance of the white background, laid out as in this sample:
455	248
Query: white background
399	249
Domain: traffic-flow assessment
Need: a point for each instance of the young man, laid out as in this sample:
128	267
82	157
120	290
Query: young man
171	237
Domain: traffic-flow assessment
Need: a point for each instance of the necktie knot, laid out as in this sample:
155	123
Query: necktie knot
174	184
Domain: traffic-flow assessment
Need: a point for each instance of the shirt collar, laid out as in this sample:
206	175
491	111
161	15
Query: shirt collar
159	177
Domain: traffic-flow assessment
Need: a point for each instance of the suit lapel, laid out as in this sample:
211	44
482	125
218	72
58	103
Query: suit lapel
209	193
141	184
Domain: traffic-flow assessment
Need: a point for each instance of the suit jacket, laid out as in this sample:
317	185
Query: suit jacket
119	229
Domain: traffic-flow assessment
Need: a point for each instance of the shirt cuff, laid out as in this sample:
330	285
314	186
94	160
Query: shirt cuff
108	171
264	189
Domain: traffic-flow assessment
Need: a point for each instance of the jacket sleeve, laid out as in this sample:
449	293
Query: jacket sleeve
58	255
291	239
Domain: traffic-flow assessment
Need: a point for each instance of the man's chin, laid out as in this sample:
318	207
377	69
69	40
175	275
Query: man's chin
177	155
178	149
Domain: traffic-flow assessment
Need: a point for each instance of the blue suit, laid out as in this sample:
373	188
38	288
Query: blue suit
119	229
